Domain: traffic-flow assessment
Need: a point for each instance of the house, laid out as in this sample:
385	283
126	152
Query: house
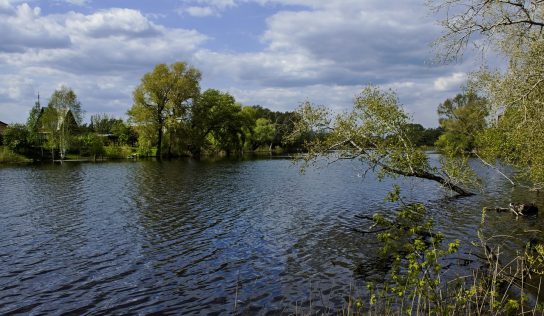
51	120
55	127
3	127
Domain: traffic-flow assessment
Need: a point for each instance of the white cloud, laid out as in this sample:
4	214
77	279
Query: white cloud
323	51
25	29
112	22
450	82
200	11
101	55
78	2
5	6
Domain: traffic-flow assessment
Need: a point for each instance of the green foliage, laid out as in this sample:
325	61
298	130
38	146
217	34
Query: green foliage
118	152
162	99
453	143
8	156
92	145
64	100
377	131
512	29
102	123
418	281
60	120
16	138
264	132
216	114
515	135
461	118
124	133
430	136
32	124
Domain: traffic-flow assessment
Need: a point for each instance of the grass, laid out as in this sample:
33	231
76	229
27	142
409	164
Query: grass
9	157
421	282
117	152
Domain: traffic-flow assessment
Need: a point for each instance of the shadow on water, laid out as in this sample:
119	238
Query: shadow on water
205	236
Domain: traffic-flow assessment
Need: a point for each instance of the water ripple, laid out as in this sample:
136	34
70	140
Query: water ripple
186	237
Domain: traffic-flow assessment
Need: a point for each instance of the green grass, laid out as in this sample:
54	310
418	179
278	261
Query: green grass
9	157
117	152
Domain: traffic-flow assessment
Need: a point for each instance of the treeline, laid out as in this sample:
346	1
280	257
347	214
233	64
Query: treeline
174	118
170	117
211	124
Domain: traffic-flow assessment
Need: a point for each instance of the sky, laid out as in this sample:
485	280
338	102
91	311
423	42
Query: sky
274	53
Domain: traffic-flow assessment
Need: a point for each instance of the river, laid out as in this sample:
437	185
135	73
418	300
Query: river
185	237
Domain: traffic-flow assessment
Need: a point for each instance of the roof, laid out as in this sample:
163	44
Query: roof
3	124
63	116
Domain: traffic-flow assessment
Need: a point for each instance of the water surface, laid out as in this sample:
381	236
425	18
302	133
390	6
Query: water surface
187	237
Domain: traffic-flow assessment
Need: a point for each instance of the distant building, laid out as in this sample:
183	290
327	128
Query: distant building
56	125
50	119
3	127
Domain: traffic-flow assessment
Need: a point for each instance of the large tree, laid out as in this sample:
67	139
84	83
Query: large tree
505	25
513	29
217	114
162	98
264	132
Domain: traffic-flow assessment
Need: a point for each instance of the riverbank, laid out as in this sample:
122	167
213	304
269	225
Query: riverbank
9	157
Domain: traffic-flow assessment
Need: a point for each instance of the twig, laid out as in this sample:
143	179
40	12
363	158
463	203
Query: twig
493	167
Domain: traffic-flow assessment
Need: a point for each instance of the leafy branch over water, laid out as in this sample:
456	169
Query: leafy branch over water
422	278
375	132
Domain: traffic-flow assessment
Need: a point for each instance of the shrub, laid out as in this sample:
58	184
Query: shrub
117	152
16	138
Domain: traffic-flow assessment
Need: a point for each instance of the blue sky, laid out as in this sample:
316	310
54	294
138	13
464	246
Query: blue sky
276	53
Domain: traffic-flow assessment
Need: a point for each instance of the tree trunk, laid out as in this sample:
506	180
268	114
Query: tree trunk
159	142
429	176
196	154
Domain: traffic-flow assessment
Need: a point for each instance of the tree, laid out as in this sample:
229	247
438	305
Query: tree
461	118
430	136
264	132
64	115
216	113
124	133
16	138
162	98
102	123
32	122
513	29
505	24
92	145
414	132
375	132
517	124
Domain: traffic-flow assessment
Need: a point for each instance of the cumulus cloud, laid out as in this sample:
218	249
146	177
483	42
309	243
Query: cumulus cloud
200	11
23	28
78	2
113	47
450	82
322	51
112	22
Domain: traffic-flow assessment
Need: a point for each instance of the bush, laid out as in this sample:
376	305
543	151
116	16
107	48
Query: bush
8	156
118	152
16	138
91	145
419	282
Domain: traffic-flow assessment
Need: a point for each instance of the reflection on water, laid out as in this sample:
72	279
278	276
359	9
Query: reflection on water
194	237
